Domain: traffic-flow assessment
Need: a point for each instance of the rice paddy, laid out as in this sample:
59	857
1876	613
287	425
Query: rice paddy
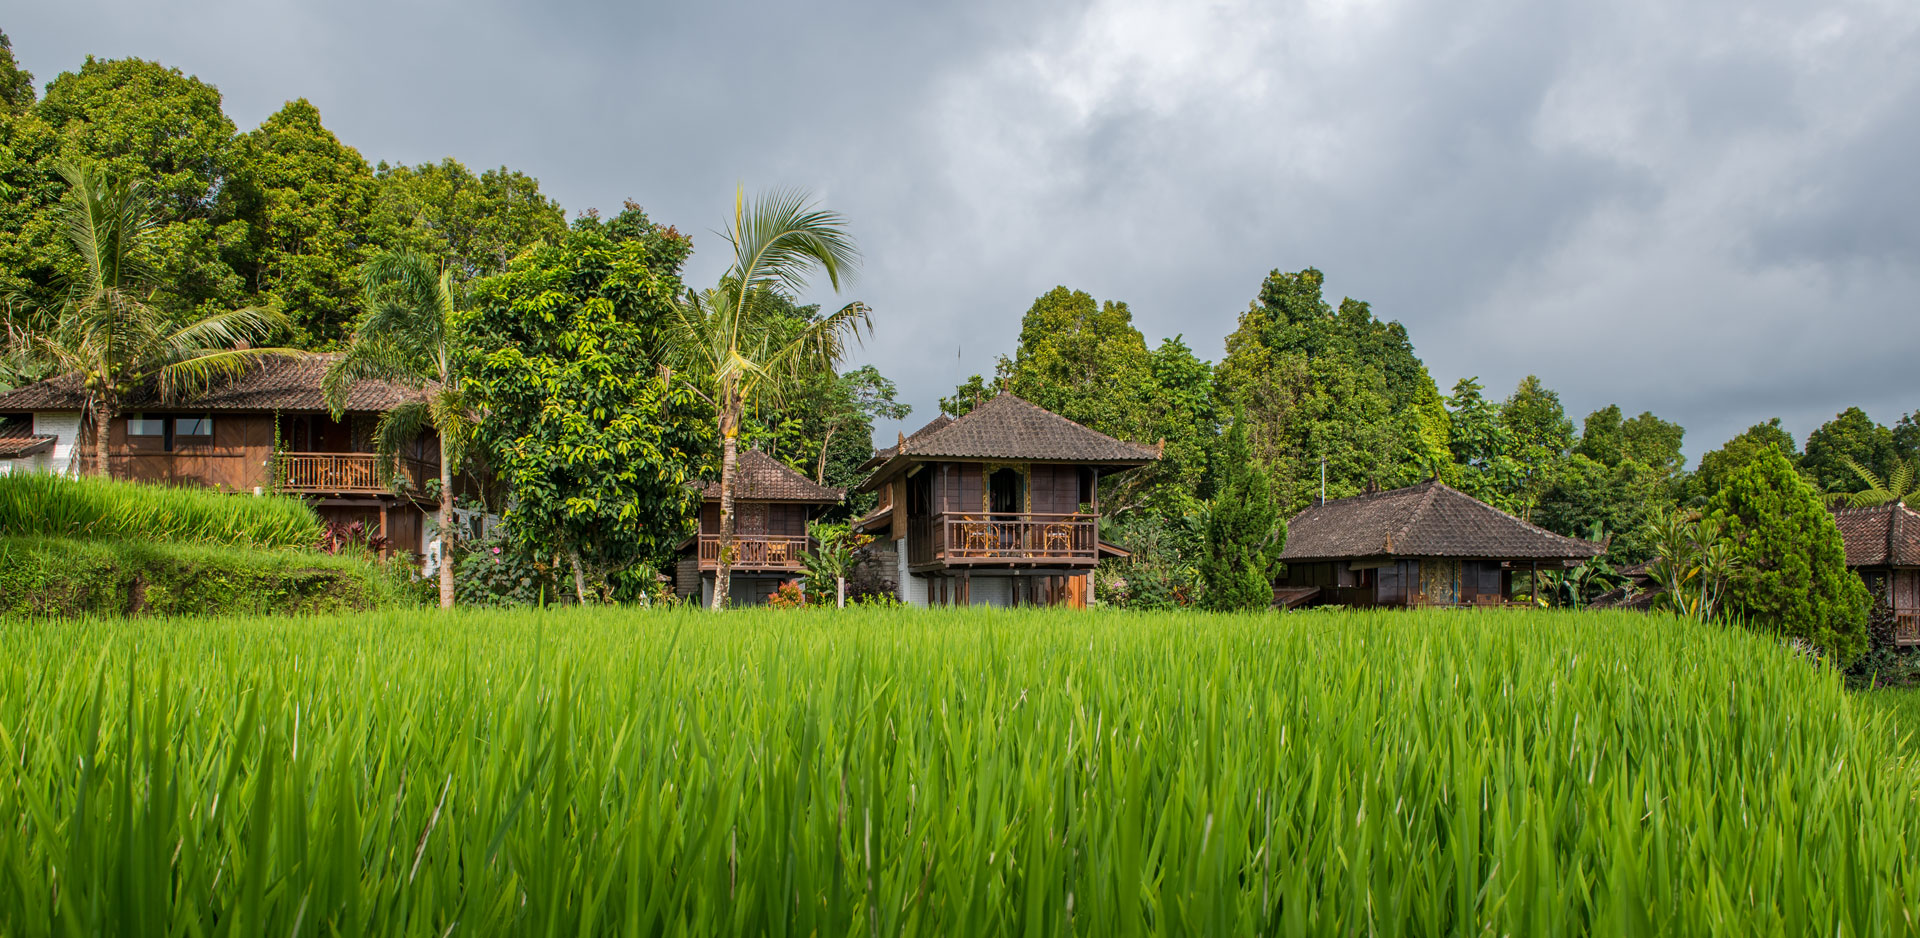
885	772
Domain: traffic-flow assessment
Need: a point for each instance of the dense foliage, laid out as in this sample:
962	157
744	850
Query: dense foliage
1791	575
77	578
564	353
875	772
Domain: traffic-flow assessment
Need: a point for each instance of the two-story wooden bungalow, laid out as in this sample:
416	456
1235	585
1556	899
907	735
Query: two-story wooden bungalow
268	428
997	507
1883	546
1425	545
771	507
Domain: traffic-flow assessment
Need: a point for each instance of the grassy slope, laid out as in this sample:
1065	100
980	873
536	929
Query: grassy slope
49	576
1902	709
913	772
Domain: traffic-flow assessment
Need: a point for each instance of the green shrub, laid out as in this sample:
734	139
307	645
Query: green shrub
50	505
1790	566
954	772
42	576
1244	530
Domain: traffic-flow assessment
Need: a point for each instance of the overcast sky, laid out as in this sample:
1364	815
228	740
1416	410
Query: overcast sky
1708	209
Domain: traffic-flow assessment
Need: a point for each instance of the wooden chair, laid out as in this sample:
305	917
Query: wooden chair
1058	538
776	551
975	536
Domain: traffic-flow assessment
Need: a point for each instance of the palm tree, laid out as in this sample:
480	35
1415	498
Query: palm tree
735	350
1901	484
108	332
405	337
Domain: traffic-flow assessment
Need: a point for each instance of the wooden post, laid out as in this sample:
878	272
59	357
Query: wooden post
386	548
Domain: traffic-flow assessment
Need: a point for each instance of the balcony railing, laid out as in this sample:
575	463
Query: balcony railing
1001	538
1906	628
757	551
348	473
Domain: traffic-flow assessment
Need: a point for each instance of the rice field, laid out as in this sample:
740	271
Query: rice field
34	504
884	772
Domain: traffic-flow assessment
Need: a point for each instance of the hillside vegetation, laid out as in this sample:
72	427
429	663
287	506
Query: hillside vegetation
913	772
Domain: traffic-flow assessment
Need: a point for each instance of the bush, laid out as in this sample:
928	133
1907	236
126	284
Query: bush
44	576
1791	565
58	506
497	572
1244	530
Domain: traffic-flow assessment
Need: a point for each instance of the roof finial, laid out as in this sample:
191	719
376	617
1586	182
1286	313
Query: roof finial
1160	448
902	447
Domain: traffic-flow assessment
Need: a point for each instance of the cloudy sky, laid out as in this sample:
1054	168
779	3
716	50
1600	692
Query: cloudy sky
1707	209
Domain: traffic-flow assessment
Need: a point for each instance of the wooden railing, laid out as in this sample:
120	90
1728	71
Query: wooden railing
1906	628
981	537
757	551
347	472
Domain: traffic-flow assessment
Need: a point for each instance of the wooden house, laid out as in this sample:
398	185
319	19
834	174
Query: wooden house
1883	546
771	507
268	429
998	507
1425	545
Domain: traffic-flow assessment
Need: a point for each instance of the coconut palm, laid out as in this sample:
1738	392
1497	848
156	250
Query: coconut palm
1901	484
736	350
405	337
107	330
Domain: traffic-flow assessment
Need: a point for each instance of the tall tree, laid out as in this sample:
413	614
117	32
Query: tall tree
1793	577
1850	435
406	336
16	83
475	223
1482	448
107	329
562	351
1335	385
1718	465
1623	499
1244	530
147	123
1542	436
1085	361
733	352
973	392
1655	443
307	198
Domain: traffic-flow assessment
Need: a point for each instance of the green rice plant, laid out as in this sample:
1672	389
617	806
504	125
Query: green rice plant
59	506
885	772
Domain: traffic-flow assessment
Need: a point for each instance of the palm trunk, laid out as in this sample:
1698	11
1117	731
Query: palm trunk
840	591
820	468
102	419
446	527
729	455
579	578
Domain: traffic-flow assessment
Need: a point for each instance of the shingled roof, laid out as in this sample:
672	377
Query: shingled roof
1425	520
758	477
1010	428
283	383
22	445
1883	536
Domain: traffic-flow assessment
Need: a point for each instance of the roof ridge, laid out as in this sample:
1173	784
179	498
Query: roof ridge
1426	502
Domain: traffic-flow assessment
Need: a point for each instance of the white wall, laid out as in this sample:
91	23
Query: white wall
913	589
994	591
64	427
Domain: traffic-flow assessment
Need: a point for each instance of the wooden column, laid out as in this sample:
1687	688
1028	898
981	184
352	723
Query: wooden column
386	549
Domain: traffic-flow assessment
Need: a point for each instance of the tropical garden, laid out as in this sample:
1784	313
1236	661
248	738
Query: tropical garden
300	745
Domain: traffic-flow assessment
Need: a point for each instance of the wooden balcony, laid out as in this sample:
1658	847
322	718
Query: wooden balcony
780	553
1906	628
348	473
1004	539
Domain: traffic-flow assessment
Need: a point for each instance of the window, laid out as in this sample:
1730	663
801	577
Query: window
143	425
199	425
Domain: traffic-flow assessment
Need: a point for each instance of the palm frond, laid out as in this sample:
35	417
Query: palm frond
375	359
397	429
195	375
780	237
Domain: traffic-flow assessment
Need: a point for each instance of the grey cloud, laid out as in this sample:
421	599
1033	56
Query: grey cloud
1699	209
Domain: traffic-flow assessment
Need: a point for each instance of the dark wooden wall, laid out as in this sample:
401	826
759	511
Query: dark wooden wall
235	457
756	518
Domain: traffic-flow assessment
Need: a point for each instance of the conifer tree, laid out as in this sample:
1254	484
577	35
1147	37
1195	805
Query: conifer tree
1244	530
1793	577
